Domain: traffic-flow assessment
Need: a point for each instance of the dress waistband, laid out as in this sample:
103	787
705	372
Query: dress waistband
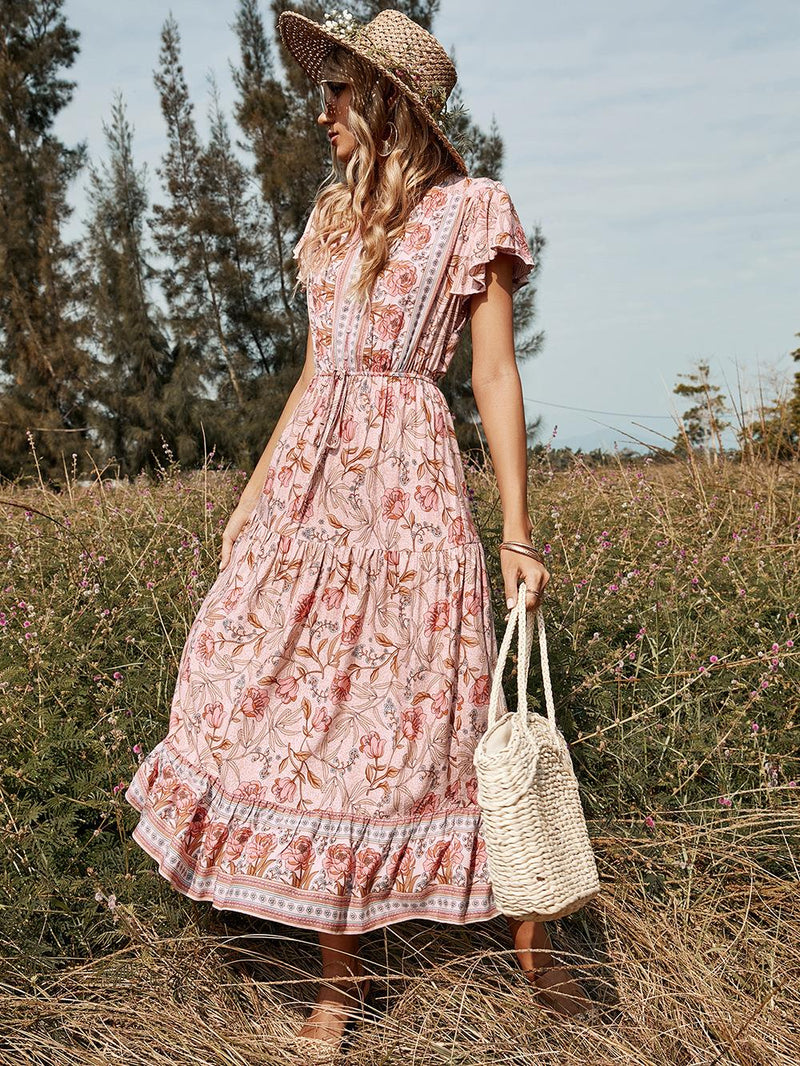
344	371
338	393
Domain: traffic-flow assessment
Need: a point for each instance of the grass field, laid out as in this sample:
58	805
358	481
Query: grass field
673	635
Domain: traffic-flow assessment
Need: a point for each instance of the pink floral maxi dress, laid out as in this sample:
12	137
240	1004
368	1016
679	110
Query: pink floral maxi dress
317	768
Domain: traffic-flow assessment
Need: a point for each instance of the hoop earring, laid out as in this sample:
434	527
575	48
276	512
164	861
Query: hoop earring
392	147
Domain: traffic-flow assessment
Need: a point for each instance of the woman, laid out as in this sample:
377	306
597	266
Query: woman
318	765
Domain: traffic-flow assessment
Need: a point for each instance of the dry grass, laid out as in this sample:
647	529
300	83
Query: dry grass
694	966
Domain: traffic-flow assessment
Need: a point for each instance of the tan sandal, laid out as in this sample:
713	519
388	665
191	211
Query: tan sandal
316	1051
559	992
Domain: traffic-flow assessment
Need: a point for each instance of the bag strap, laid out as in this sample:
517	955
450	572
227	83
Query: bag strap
519	614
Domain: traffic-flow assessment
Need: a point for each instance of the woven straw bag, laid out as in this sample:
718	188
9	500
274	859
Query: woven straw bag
540	858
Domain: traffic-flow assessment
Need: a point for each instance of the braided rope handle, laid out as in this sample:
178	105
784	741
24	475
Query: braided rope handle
519	614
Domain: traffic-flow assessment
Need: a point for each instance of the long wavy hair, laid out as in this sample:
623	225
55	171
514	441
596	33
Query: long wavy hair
371	192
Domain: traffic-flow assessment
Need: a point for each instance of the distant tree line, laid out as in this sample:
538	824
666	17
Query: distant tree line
172	323
771	430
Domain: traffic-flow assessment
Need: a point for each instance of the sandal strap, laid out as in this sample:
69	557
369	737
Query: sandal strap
321	1052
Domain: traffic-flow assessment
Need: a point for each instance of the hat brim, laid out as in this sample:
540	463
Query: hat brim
310	43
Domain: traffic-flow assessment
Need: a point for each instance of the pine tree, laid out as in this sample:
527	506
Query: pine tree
134	355
795	400
775	433
703	422
277	121
183	229
45	369
241	282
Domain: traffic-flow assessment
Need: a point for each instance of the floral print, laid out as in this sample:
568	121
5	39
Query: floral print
317	768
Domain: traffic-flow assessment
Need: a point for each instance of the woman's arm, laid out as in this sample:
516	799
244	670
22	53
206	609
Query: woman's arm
497	390
255	485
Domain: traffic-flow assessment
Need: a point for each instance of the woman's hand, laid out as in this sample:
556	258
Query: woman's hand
236	523
517	567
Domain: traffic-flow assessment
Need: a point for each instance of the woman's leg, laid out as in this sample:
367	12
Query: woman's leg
533	947
337	1000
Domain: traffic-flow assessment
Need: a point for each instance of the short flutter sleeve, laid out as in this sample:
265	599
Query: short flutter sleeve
490	224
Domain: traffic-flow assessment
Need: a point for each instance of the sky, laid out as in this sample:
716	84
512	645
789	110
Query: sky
655	144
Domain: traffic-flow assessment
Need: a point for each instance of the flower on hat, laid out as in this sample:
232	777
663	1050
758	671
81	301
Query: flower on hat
341	23
434	99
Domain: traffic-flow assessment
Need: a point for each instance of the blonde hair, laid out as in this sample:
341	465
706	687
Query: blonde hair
375	193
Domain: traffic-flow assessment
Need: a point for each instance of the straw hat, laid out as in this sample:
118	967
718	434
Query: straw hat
395	45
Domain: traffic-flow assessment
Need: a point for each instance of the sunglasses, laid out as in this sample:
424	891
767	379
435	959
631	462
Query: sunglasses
329	93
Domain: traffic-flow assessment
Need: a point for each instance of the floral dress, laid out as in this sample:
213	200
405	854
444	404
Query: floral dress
317	769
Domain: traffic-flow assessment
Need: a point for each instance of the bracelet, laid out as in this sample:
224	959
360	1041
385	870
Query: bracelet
529	555
523	549
526	544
